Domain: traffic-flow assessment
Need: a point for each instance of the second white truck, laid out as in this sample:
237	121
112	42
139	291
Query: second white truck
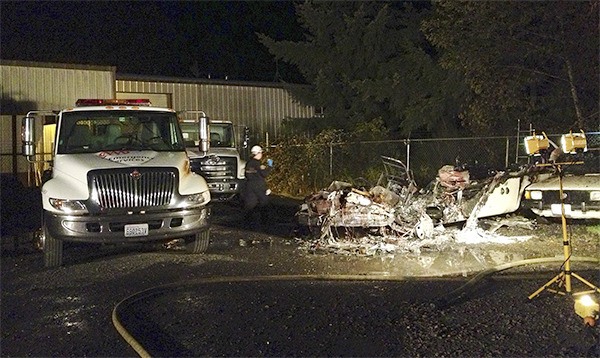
222	165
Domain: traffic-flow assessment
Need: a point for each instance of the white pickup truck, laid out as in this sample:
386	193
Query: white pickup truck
581	194
579	175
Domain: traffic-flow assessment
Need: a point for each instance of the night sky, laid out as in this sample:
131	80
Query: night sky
202	39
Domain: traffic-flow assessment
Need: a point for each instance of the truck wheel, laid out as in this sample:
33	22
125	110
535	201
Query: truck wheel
198	243
53	250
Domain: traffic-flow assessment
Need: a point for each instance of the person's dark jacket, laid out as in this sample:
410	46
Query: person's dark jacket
255	191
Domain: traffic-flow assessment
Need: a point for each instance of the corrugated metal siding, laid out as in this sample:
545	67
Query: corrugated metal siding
30	86
7	126
11	160
27	87
262	108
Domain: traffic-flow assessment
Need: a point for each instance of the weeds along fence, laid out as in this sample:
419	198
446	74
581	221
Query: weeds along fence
302	169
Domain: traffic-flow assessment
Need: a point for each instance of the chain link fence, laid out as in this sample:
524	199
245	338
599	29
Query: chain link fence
423	157
360	163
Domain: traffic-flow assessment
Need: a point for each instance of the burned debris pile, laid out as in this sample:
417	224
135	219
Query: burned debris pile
396	216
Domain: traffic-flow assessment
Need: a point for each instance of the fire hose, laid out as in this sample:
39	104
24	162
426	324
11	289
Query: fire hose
463	290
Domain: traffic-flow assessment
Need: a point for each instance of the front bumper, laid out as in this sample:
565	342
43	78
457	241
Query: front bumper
110	228
581	211
223	190
224	187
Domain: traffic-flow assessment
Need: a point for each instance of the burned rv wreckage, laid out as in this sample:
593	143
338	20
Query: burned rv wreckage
395	215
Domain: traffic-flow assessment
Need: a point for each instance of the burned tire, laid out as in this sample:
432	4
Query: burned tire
198	243
53	250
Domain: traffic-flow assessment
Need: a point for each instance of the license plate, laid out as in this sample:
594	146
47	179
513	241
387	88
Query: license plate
133	230
556	210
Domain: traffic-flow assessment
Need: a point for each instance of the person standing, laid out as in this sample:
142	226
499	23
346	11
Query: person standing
255	191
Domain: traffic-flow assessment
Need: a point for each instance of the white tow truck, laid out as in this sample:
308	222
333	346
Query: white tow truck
119	173
221	166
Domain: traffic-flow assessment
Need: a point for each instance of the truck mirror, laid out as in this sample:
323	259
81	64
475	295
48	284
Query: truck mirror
204	134
28	136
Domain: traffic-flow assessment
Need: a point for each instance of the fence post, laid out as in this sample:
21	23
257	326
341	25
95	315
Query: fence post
407	143
506	152
330	159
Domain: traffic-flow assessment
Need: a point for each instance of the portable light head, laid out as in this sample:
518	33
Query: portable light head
588	309
573	143
534	144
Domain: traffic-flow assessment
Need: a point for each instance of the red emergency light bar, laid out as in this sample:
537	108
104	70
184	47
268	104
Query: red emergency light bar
112	102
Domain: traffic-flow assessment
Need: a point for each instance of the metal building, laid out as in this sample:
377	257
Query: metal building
26	86
262	106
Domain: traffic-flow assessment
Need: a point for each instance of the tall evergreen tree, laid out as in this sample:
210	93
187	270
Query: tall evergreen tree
369	61
528	60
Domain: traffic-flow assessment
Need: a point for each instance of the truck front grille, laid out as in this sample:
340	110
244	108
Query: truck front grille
571	196
132	188
215	167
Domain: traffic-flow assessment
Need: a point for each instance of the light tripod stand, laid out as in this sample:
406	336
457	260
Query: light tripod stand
563	279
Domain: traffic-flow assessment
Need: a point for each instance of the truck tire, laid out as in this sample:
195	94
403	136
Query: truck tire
53	250
198	243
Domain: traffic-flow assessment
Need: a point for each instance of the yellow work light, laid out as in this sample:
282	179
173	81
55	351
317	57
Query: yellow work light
536	143
588	309
573	143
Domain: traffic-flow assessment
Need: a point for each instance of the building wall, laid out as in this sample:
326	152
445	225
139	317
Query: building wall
27	86
260	106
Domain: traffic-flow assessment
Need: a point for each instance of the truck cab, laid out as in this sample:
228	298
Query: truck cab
222	165
119	173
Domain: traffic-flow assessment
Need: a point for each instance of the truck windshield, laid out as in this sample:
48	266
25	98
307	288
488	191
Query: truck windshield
221	135
94	131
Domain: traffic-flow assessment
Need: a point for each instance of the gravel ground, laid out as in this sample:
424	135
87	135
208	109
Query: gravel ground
272	298
358	318
324	304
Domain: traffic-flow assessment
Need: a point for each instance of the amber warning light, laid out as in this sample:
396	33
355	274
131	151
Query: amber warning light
112	102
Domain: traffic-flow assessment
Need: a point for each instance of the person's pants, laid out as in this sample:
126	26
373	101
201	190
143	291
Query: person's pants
255	203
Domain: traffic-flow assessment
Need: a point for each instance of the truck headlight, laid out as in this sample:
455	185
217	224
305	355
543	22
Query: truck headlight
198	199
69	206
533	194
595	196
